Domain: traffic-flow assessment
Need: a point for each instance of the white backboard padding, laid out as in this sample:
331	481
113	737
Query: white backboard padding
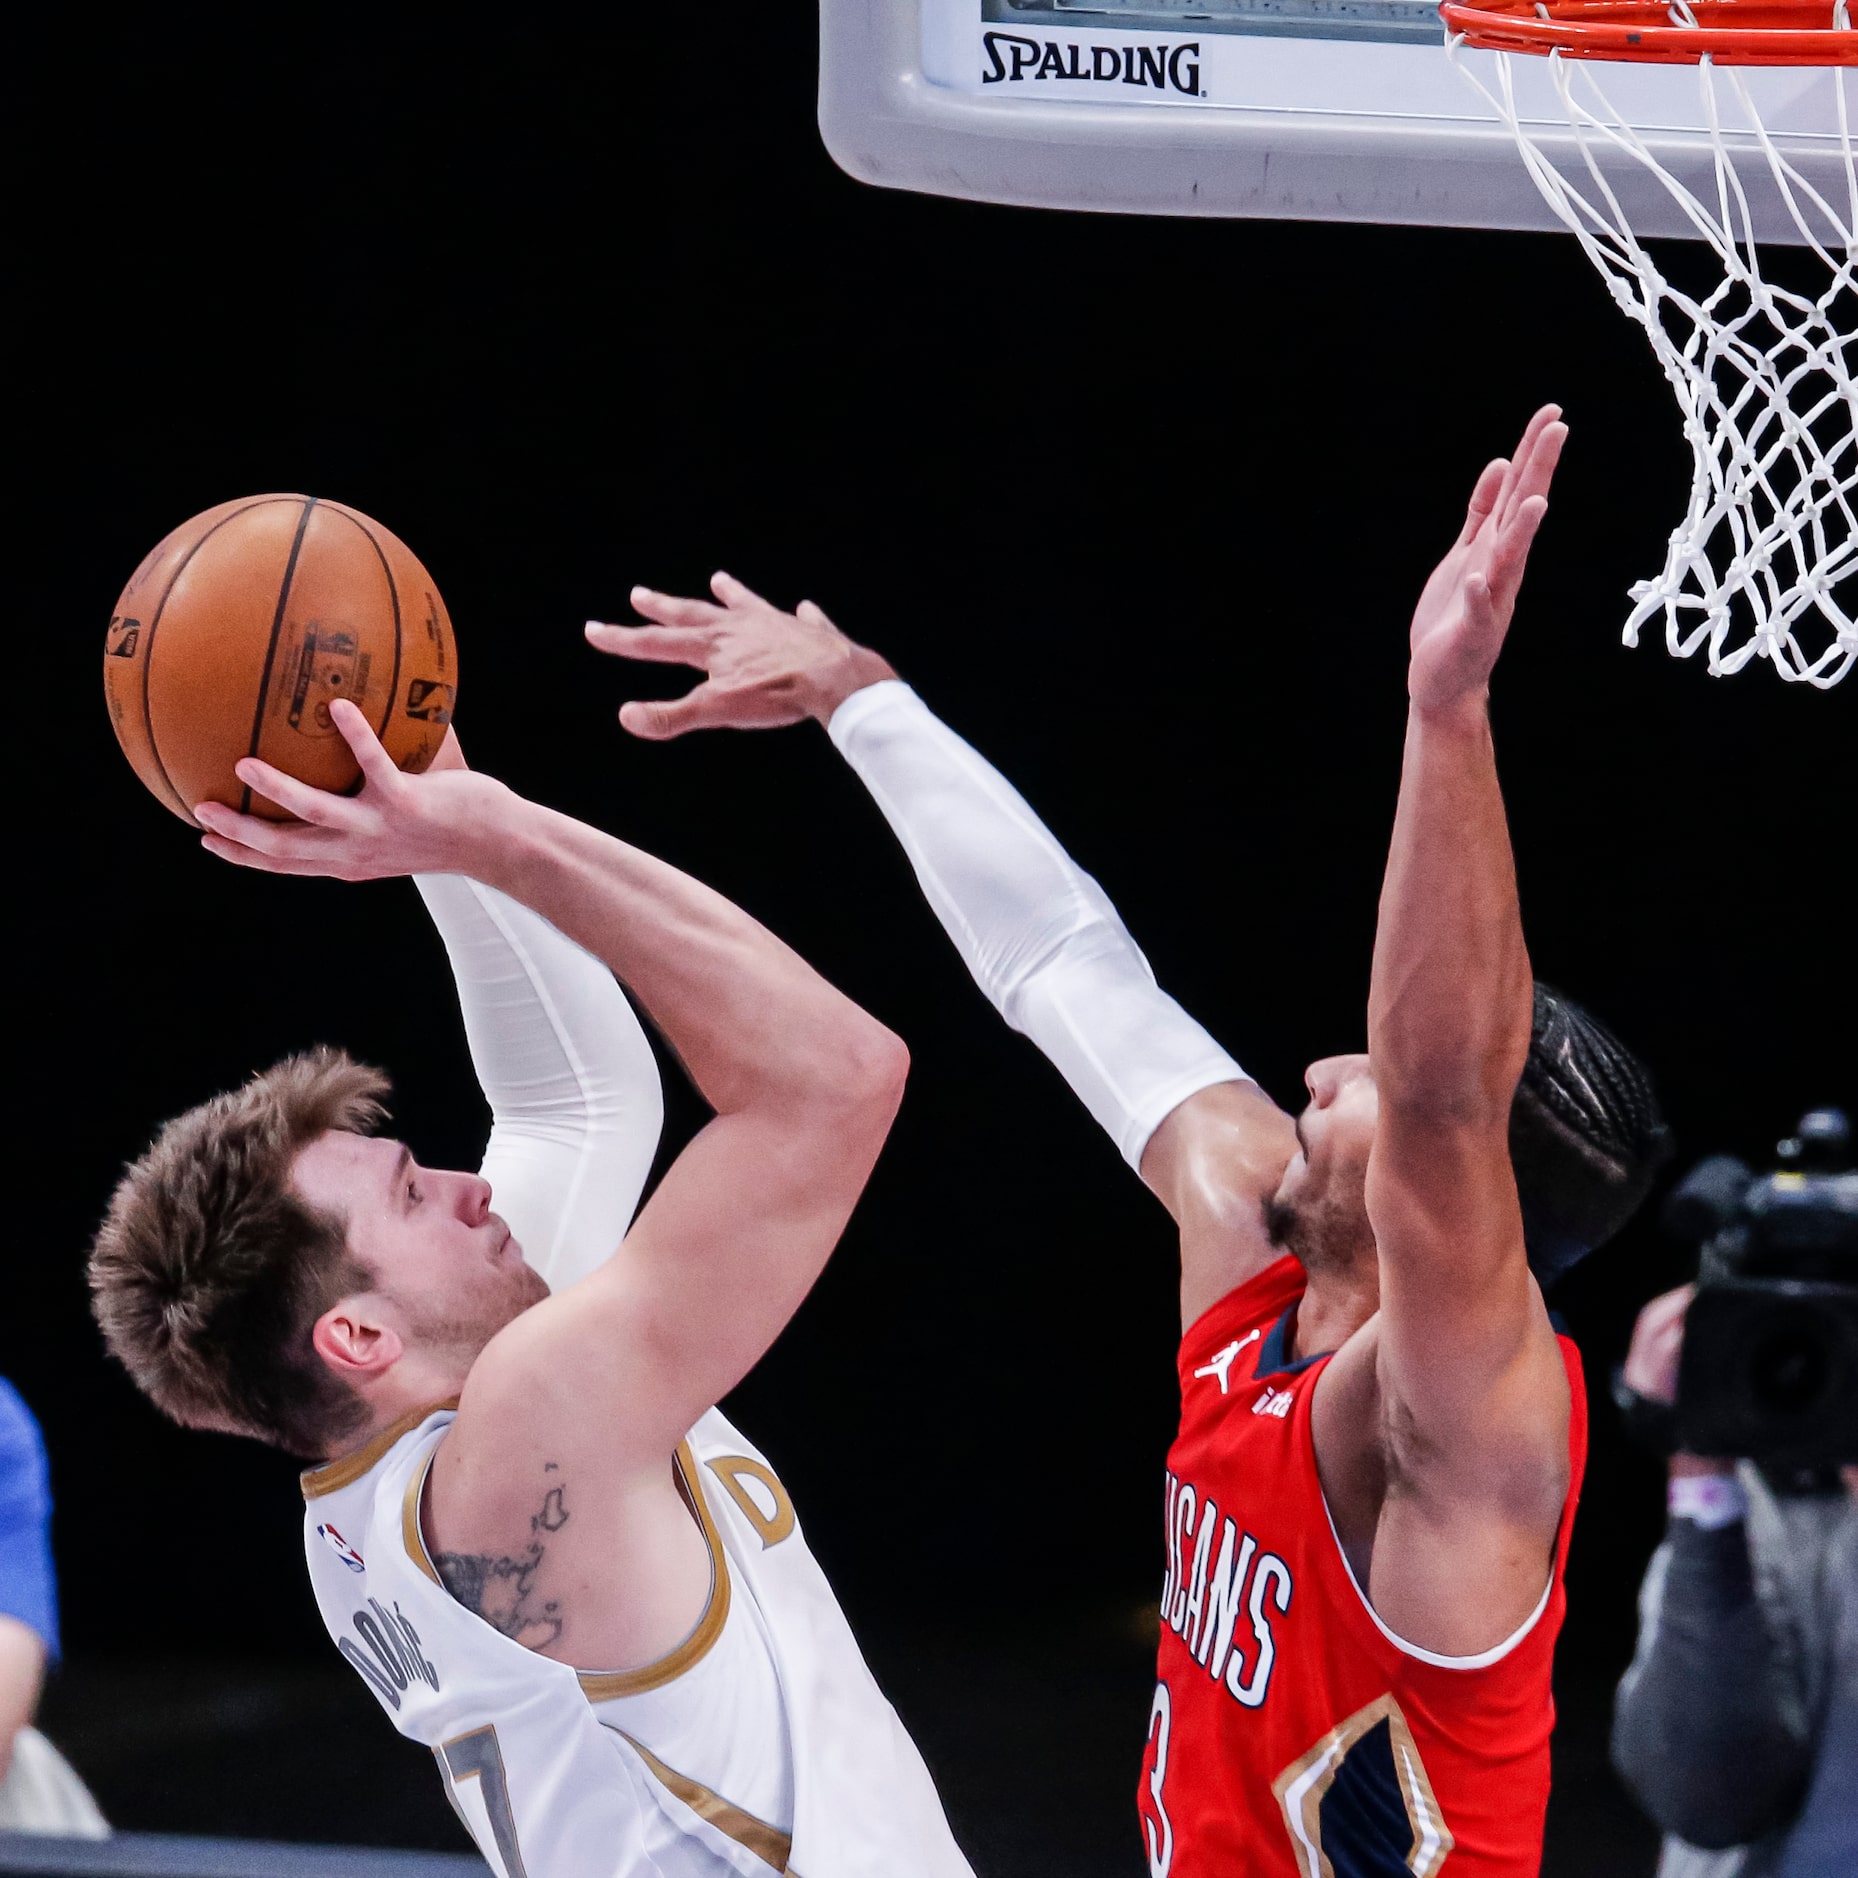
912	96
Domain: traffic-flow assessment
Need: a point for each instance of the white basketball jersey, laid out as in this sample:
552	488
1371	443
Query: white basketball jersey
564	1774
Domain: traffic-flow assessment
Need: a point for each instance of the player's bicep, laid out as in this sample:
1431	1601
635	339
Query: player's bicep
1464	1339
718	1261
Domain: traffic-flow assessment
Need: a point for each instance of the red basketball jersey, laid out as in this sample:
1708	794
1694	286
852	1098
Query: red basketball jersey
1292	1734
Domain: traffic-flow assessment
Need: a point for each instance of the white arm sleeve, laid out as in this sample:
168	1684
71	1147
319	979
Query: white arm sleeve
1038	934
575	1101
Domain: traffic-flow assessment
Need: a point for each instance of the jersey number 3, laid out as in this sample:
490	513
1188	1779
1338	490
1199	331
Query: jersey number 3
476	1756
1156	1826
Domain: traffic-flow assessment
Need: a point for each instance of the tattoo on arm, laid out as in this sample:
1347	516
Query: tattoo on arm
500	1588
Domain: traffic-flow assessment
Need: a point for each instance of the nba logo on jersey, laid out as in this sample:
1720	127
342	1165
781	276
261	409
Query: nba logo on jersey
341	1548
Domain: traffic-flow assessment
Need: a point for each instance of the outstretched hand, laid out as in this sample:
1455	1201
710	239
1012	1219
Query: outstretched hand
1464	613
762	667
397	824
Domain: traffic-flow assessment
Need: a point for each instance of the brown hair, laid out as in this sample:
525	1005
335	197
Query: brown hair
209	1273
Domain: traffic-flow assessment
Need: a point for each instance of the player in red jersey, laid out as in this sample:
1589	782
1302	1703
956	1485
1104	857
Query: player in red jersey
1370	1498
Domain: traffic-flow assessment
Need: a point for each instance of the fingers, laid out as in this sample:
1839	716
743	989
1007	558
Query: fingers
731	591
670	609
1667	1308
377	767
1532	431
652	645
1511	554
1507	482
241	856
253	835
1484	496
1536	457
659	720
315	806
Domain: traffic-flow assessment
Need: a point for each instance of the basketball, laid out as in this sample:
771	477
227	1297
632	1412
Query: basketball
239	630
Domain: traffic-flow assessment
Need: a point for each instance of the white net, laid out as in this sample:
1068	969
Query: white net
1760	371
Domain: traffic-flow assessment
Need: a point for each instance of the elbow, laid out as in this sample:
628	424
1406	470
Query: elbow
875	1066
854	1071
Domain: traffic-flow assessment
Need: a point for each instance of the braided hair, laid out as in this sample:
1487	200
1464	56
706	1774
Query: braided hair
1587	1137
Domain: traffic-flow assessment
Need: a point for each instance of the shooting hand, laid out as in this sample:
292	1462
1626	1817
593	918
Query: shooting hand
397	824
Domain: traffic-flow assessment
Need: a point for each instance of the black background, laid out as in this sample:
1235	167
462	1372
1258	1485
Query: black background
1141	506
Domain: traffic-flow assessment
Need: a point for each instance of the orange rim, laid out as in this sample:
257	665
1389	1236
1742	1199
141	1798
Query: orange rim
1729	32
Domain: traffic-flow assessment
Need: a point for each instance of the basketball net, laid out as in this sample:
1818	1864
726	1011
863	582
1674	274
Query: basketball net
1760	372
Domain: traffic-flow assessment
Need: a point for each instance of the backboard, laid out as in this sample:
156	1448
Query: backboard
1320	110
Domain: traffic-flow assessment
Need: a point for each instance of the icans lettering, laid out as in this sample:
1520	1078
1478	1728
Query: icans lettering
1217	1575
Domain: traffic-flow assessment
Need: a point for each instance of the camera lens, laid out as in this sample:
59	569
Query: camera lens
1789	1369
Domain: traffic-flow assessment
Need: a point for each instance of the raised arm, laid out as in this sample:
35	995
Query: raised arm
803	1083
1039	936
575	1101
1472	1390
1450	998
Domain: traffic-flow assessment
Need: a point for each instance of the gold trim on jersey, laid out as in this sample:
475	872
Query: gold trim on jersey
345	1469
605	1685
768	1843
1301	1786
728	1468
412	1533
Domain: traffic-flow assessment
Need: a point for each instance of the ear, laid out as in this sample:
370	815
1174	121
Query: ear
355	1344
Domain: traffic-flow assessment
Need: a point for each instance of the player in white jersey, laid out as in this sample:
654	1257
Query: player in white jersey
551	1558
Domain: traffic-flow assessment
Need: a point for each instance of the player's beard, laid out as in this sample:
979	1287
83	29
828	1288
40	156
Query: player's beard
461	1327
1325	1232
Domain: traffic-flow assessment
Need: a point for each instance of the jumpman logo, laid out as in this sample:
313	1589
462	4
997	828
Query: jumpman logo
1223	1361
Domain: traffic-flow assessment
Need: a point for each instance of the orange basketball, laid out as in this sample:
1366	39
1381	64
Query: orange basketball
239	630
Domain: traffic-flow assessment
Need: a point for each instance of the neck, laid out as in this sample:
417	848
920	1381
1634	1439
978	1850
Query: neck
410	1388
1335	1304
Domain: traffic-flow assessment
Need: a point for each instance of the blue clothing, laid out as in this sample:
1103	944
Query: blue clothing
28	1590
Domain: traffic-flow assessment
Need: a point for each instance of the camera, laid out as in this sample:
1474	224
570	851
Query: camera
1769	1371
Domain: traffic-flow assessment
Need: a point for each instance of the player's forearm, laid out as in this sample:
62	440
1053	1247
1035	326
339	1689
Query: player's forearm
1037	933
557	1048
575	1101
751	1021
1449	1003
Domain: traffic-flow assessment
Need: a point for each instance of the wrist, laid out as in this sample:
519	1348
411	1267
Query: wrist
1709	1501
1463	713
483	820
852	669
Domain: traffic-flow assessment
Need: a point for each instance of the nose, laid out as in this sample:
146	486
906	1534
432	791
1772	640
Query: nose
473	1199
1322	1079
